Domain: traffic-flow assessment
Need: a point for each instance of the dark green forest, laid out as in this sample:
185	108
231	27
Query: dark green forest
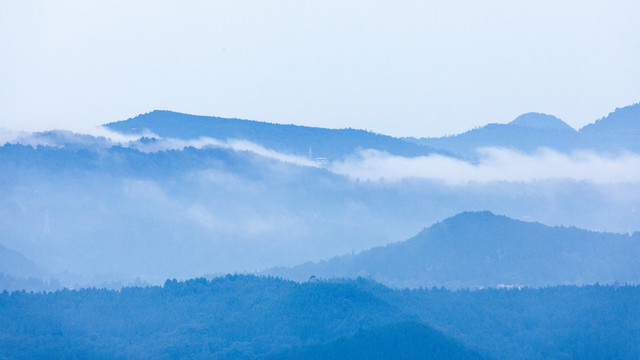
242	316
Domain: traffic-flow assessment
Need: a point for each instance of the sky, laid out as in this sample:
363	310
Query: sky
404	68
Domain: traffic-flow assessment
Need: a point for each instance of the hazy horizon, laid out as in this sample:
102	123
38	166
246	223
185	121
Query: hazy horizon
403	69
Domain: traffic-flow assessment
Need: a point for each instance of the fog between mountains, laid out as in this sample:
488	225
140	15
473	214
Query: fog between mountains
494	164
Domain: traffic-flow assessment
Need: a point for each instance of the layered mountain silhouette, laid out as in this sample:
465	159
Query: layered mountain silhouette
100	211
617	132
478	249
115	211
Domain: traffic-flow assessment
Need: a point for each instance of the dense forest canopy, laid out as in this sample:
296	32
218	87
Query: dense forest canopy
240	316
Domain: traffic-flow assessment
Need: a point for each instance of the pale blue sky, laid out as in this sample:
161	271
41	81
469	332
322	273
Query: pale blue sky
406	68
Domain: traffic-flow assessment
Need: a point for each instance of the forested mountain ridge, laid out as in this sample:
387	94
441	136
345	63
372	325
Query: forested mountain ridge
298	140
617	132
479	249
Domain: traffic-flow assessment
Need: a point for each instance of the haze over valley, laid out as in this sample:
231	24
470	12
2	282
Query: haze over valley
170	195
510	241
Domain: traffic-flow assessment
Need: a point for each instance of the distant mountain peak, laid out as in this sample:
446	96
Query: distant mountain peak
472	217
541	121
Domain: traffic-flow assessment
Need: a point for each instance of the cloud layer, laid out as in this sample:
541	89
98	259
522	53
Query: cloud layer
496	164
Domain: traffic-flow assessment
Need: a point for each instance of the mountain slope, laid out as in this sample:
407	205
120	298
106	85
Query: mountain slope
618	130
477	249
290	139
15	264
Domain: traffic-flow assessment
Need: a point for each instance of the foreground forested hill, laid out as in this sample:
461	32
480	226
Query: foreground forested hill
237	317
231	317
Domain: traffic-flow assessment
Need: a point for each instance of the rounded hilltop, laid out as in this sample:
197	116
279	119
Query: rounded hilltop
541	121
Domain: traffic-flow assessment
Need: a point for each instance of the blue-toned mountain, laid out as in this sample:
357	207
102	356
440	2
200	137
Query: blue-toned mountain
479	249
15	264
620	130
291	139
540	121
615	133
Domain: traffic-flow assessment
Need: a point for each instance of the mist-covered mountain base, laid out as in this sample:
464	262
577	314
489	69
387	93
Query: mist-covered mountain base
177	196
94	217
480	249
247	317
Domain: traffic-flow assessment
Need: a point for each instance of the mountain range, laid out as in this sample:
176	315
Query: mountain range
617	132
185	195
